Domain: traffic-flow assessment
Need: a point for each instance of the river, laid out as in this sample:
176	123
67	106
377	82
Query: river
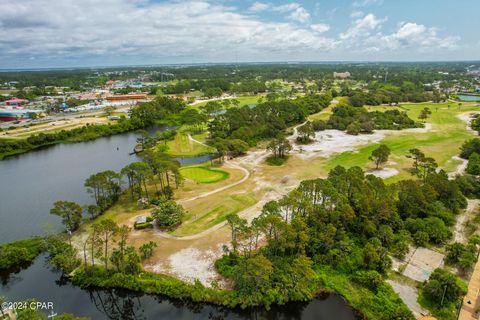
30	183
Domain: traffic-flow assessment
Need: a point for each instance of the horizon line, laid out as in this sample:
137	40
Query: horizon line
186	64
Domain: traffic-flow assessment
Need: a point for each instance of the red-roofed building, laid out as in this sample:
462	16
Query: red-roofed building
15	102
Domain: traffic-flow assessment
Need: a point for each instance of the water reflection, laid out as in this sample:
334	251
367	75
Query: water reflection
44	283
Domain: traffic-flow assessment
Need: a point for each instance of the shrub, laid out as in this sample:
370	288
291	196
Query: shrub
319	125
369	279
141	226
276	161
168	214
19	252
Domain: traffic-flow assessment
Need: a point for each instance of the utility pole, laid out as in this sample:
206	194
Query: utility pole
443	296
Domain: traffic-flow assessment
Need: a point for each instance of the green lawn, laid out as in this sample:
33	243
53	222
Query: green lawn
8	91
442	142
243	101
195	223
203	174
182	146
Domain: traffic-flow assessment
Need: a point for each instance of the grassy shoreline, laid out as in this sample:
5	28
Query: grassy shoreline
159	284
18	253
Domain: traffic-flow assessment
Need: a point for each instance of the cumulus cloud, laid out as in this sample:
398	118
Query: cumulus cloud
362	27
320	27
299	15
413	35
295	12
138	31
286	7
192	28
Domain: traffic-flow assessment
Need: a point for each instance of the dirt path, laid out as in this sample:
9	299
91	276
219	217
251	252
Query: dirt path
196	141
460	169
206	194
462	219
467	118
409	295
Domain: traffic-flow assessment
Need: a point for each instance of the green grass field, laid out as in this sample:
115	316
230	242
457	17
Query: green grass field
182	146
198	222
203	174
442	142
243	101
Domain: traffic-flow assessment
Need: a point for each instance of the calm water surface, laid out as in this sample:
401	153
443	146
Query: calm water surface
469	98
32	182
40	281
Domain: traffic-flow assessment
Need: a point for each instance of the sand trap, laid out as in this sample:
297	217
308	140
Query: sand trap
329	142
190	264
384	173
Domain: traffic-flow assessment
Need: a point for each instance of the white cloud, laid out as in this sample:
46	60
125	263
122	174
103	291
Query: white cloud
365	35
418	36
263	6
364	3
299	15
286	7
363	27
320	27
295	11
140	30
259	6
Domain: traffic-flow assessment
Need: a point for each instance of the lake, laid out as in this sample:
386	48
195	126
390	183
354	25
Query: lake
468	97
42	282
30	183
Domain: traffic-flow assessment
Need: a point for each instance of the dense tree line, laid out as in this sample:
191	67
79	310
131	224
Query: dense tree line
378	93
355	120
350	221
470	151
407	79
267	120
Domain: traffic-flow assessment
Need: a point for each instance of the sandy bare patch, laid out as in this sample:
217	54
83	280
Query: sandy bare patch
189	264
329	142
384	173
460	169
462	220
467	118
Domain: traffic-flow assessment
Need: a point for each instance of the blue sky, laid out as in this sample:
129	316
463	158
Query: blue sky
71	33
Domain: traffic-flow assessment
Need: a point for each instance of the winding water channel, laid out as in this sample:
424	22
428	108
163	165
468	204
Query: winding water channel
30	183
